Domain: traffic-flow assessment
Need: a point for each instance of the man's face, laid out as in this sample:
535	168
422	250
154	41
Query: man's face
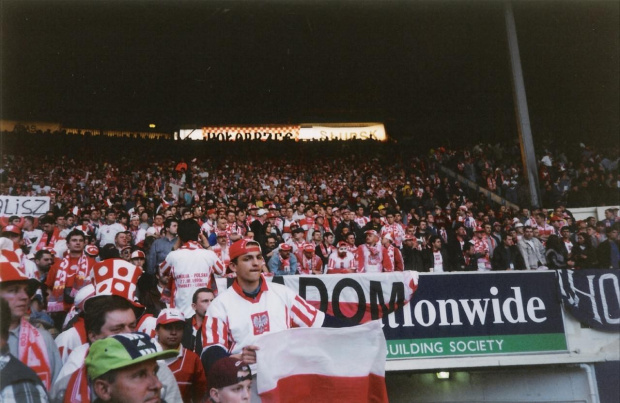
172	230
76	244
565	234
462	232
613	235
60	222
70	221
45	262
371	239
121	240
248	267
422	225
158	220
390	218
111	218
134	384
138	261
170	335
437	244
49	228
528	233
222	223
116	322
203	300
316	236
168	214
342	251
230	217
509	241
134	223
285	253
237	393
15	293
329	239
187	214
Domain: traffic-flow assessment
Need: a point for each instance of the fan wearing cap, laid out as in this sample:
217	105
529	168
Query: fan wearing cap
138	258
287	222
11	239
343	261
284	262
110	311
251	307
186	365
309	262
124	369
190	267
230	381
138	234
74	334
372	256
38	350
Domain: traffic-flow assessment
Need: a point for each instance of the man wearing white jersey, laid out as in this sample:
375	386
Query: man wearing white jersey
190	267
252	307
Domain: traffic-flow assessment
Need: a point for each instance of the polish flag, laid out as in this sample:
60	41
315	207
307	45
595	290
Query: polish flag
323	365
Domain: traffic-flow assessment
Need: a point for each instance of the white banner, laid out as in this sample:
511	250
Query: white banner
22	206
353	132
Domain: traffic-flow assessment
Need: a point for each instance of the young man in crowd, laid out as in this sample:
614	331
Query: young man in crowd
186	365
192	337
229	381
162	246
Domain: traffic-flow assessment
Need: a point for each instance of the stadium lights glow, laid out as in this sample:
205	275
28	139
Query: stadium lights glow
443	375
152	125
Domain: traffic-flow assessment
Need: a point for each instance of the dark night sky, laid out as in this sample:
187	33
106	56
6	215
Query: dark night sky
423	68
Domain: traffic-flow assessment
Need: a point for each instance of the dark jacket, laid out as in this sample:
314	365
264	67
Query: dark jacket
412	259
429	261
503	257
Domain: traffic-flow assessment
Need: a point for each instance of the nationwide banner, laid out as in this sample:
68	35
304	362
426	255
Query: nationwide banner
592	296
450	314
22	206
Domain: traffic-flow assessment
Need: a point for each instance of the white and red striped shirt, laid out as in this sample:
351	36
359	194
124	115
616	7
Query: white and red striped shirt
311	265
234	320
337	264
373	259
190	267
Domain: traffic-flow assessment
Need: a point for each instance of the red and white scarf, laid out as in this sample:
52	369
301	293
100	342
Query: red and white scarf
47	241
32	351
81	279
78	389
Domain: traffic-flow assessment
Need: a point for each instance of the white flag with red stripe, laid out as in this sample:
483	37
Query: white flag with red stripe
323	365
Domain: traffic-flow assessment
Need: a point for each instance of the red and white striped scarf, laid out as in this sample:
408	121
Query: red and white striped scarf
81	279
32	351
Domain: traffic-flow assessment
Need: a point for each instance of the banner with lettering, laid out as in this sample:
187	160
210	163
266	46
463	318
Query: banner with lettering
592	296
452	314
22	206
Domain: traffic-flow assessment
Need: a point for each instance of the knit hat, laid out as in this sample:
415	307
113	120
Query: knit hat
120	351
225	372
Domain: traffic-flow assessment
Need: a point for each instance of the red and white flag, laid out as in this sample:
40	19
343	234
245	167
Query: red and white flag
323	365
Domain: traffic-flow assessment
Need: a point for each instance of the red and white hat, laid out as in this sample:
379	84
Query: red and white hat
285	247
169	315
137	254
91	250
409	237
388	236
371	232
117	277
343	244
13	229
10	267
243	246
479	229
221	234
309	247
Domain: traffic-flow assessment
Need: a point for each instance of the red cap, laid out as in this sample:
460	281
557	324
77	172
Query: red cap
479	229
409	237
271	215
225	372
13	229
138	254
372	232
308	247
556	218
169	315
221	234
211	211
243	246
285	247
343	244
91	250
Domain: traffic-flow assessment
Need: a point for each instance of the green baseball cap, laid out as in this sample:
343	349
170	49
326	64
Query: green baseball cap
122	350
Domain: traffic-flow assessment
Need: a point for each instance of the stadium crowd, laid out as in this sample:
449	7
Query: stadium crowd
137	226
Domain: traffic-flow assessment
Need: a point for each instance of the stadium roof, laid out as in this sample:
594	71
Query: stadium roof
421	67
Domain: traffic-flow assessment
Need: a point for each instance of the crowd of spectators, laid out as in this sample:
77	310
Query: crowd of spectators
315	208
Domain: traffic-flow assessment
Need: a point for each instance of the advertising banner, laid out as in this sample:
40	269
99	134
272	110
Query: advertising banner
592	296
22	206
447	315
303	132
